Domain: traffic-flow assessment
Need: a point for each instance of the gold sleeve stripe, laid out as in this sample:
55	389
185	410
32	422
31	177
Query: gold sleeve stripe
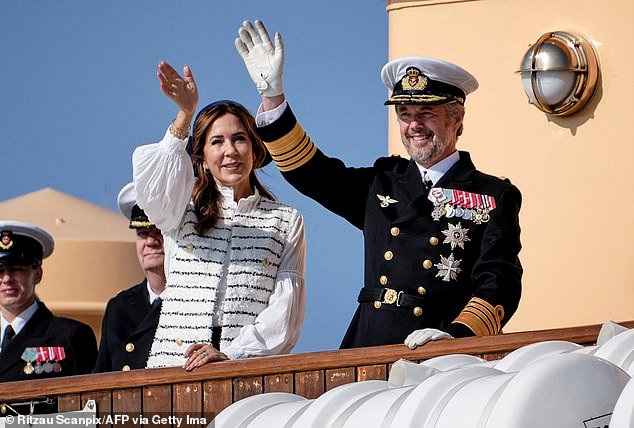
297	151
292	150
481	317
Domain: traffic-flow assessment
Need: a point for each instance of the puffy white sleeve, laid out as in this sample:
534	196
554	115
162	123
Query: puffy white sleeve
277	328
163	180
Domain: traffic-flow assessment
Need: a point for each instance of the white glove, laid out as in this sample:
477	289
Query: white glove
264	61
420	337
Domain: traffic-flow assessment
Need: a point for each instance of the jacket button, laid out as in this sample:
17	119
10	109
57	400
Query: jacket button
383	280
125	368
395	231
427	264
377	304
422	291
190	247
266	262
179	342
433	240
388	255
129	347
418	311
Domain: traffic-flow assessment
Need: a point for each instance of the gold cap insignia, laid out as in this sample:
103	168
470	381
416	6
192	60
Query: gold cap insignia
6	240
413	80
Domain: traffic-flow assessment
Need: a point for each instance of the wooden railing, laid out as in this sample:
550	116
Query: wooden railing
208	390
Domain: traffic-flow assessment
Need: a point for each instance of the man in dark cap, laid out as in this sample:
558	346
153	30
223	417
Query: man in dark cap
441	238
35	343
132	315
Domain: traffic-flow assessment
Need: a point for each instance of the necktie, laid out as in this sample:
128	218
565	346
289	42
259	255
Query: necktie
156	303
427	182
8	336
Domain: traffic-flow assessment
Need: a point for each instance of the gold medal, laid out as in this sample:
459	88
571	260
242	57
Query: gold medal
28	369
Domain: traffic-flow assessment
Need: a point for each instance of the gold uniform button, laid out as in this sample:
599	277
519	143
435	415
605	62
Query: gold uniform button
383	280
129	347
395	231
125	368
422	291
418	311
266	262
433	240
179	342
190	247
377	304
388	255
427	264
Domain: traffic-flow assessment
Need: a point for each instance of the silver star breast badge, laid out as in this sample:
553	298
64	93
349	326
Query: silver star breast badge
456	236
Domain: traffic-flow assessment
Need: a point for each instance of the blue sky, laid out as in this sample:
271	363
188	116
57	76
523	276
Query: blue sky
79	93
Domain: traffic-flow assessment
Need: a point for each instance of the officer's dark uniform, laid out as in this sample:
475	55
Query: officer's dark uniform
449	263
46	346
46	330
127	330
129	322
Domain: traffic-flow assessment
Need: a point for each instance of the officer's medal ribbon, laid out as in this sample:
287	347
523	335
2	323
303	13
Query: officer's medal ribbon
29	355
39	362
462	204
58	355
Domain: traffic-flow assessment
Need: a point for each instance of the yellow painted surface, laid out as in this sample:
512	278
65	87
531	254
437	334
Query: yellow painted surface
575	173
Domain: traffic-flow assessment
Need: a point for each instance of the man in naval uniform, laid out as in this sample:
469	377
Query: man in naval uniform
131	317
441	238
35	343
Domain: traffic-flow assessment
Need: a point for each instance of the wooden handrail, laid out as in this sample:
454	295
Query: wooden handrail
489	345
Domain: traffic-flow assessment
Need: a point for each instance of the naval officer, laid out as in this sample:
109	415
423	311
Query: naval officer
441	238
131	317
35	343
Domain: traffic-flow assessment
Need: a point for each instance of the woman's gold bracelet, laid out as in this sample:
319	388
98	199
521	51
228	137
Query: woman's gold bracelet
178	133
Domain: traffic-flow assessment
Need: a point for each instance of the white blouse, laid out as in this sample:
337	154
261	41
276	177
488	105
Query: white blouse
164	181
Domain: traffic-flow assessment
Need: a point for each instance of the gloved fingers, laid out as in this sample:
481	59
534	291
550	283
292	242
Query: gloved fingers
418	338
441	335
262	33
245	37
279	45
241	48
255	37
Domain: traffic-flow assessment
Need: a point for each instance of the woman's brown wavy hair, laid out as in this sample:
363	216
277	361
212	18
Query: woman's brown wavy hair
206	196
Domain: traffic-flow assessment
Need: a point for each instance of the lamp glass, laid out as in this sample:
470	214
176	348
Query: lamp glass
555	86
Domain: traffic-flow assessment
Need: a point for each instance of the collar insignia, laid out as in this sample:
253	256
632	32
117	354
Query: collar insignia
386	200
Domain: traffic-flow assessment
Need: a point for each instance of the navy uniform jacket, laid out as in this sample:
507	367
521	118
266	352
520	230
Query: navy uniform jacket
127	330
45	329
454	274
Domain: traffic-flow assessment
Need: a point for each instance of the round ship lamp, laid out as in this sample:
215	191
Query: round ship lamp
560	73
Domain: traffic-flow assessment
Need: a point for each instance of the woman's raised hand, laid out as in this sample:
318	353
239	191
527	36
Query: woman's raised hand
181	90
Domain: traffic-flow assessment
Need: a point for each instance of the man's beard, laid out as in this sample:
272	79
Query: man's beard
428	155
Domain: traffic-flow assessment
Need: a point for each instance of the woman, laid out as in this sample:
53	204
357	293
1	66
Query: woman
234	257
